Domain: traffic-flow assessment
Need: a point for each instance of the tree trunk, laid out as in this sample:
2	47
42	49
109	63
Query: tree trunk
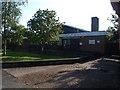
5	31
4	38
42	48
5	41
4	48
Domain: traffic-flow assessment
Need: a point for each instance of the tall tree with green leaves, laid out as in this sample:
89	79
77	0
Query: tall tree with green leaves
11	14
113	30
44	27
16	34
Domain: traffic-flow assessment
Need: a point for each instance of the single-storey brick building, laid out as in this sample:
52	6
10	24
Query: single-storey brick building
94	41
86	41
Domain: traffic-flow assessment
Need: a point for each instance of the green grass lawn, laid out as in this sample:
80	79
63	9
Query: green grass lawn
23	56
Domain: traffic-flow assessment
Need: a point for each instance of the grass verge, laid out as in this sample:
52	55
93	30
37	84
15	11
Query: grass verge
24	56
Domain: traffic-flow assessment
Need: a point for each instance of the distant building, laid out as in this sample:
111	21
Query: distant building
82	40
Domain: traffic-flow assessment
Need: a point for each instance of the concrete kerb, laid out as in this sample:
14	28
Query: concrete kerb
45	63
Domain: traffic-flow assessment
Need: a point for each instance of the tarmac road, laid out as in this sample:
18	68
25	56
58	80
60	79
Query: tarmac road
100	73
9	81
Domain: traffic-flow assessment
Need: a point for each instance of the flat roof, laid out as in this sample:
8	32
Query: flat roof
70	35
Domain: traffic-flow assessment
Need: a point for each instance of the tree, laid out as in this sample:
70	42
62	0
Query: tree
11	14
16	34
113	30
44	27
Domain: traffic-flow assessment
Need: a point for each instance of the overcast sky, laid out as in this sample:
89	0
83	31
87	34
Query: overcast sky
75	13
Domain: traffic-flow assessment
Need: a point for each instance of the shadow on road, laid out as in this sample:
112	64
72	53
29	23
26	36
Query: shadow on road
103	74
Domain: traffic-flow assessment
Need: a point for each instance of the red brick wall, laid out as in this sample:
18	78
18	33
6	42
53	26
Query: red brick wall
97	47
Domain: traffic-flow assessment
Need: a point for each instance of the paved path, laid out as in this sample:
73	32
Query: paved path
8	81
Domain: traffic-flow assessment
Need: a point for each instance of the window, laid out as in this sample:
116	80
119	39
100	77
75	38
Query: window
98	41
67	42
80	43
91	41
